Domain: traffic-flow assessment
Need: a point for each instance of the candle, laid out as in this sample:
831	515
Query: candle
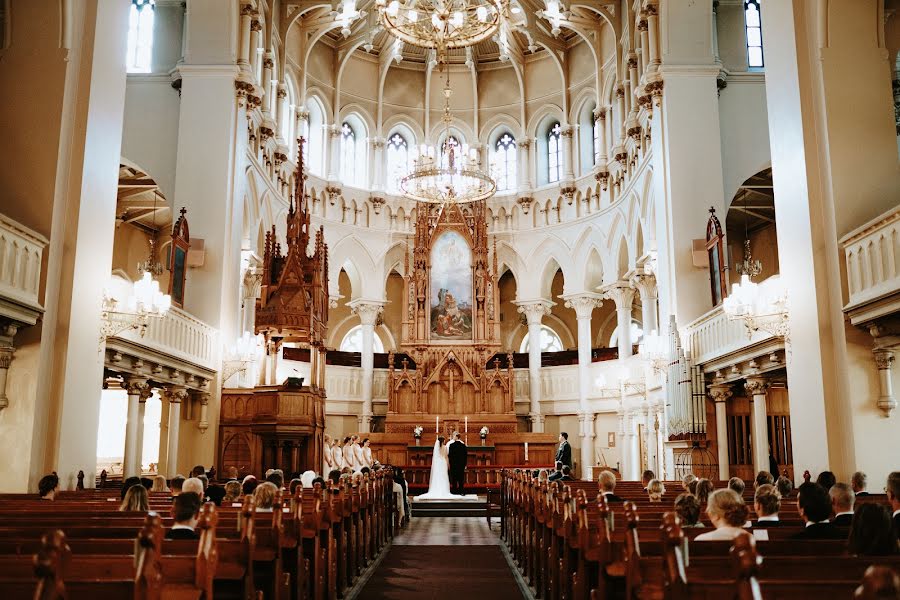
437	425
467	424
526	451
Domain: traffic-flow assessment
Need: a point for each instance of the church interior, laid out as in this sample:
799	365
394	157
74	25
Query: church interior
291	249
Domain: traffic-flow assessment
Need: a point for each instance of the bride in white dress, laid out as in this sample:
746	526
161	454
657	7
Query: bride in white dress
439	483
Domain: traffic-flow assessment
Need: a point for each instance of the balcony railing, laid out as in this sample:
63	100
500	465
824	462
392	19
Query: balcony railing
872	253
20	263
182	336
714	335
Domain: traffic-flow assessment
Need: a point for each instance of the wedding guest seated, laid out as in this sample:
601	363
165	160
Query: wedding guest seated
307	478
728	513
607	483
842	501
320	480
766	504
566	474
265	496
136	499
232	474
176	485
655	490
688	510
686	481
870	533
814	507
737	484
692	487
705	487
557	473
195	485
276	477
335	476
893	495
784	486
47	486
646	477
185	511
294	484
826	479
198	471
248	486
763	478
159	484
859	482
232	493
127	484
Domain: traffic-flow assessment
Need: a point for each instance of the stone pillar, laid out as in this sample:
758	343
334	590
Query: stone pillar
368	312
623	295
568	170
142	411
6	358
255	29
653	36
280	112
378	175
583	305
334	154
650	438
534	312
526	179
135	387
884	359
759	429
633	445
175	395
720	393
646	287
203	421
266	83
632	83
246	22
623	116
600	118
645	43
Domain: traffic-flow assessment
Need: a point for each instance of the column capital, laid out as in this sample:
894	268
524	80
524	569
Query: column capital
6	356
138	386
621	293
583	304
720	392
534	310
756	386
377	142
600	113
884	359
252	282
177	394
645	283
368	311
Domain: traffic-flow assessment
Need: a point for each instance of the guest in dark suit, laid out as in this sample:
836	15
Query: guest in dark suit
566	474
185	511
859	482
826	479
893	495
766	503
842	501
457	455
607	483
870	534
773	464
646	477
564	452
558	473
814	506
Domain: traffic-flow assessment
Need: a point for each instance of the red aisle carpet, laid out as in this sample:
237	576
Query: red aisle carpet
442	572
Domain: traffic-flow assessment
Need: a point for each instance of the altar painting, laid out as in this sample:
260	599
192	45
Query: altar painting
451	288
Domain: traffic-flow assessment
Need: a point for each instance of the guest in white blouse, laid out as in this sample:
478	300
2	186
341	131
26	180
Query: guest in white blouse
327	458
359	460
337	454
368	460
728	513
349	456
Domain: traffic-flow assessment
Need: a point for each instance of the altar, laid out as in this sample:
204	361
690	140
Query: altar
454	375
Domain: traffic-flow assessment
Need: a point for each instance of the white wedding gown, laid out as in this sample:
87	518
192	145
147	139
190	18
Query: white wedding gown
439	482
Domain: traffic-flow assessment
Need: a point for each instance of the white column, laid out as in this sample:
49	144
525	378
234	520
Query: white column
759	430
646	287
720	393
334	154
266	83
650	438
280	112
623	295
534	312
378	171
620	104
600	117
142	411
246	20
368	312
135	387
653	35
203	421
526	181
255	28
884	360
634	449
583	305
175	395
620	415
6	357
568	155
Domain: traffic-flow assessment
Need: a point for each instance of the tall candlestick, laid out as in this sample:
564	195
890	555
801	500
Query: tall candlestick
467	424
526	452
437	424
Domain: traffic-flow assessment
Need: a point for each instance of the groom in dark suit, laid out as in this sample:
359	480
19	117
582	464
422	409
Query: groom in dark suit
564	452
457	454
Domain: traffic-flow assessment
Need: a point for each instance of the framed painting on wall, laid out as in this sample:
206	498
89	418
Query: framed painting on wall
181	244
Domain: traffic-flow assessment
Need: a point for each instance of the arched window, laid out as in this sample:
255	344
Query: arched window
348	154
753	26
504	163
450	142
550	342
352	342
554	153
398	161
596	141
140	36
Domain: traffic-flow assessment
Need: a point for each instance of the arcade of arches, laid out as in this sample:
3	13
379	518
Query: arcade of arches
646	156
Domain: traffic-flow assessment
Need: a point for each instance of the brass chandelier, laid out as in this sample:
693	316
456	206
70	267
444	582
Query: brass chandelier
451	175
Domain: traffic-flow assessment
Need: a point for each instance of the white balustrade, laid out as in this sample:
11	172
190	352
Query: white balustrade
714	335
20	262
872	253
180	335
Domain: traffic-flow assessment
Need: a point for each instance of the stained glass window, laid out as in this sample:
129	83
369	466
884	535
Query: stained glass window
554	153
550	341
754	33
505	163
398	161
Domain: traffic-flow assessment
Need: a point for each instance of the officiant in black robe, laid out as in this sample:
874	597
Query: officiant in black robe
457	455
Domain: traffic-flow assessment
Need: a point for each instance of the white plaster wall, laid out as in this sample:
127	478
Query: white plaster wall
743	123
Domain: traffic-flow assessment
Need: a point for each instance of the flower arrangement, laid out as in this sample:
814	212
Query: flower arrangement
484	431
417	431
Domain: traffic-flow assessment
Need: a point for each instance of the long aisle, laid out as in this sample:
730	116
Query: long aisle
437	558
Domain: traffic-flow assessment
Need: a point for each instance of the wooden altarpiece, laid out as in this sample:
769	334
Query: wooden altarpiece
281	425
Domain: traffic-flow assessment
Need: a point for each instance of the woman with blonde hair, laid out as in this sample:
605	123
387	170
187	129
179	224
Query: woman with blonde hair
136	500
655	490
705	487
265	496
159	484
232	492
728	513
328	458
